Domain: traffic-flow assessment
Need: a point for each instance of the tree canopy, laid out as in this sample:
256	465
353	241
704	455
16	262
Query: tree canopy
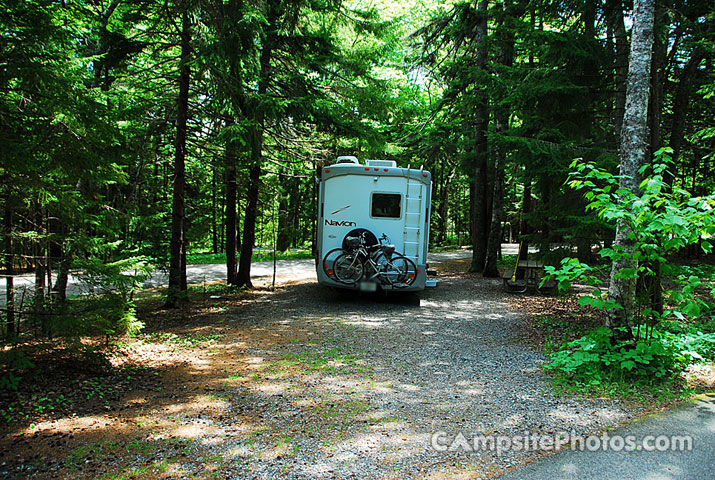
141	132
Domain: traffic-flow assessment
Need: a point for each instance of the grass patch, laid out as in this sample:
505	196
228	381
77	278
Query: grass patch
258	256
191	340
507	263
329	360
445	248
704	271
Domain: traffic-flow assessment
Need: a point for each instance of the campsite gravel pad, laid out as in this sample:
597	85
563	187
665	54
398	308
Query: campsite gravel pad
309	383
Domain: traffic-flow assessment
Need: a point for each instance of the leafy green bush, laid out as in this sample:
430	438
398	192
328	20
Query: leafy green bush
661	222
13	362
602	355
599	356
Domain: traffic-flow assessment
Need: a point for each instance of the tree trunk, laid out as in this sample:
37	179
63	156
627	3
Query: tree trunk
177	249
480	221
63	269
243	278
649	286
9	271
314	213
283	237
633	152
443	209
681	102
495	231
40	258
506	58
256	146
296	233
620	67
231	217
214	206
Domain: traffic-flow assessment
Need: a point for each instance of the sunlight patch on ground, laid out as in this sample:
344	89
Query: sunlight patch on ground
69	424
513	421
381	387
368	323
408	387
701	374
450	306
474	392
194	431
600	415
271	389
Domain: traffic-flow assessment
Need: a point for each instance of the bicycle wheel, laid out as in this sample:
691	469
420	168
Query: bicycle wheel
348	268
401	272
383	266
329	261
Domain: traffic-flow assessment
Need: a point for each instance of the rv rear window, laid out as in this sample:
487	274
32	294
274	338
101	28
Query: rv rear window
386	205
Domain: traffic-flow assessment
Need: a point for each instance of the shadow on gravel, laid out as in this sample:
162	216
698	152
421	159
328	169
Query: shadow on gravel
411	299
307	383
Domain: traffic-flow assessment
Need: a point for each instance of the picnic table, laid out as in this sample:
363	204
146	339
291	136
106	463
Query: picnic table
527	276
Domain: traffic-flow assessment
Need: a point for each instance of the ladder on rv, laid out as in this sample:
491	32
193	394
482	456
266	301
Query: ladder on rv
413	218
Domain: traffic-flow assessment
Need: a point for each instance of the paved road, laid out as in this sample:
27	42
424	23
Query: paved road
262	272
694	420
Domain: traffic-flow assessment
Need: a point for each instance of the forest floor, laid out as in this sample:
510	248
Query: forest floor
303	382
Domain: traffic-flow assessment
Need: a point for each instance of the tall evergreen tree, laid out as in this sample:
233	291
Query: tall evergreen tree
177	261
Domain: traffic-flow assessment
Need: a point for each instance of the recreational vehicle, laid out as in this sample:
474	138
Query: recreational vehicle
373	226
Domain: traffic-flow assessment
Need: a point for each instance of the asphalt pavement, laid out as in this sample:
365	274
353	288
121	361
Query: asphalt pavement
678	444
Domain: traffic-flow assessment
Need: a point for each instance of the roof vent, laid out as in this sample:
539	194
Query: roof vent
348	159
381	163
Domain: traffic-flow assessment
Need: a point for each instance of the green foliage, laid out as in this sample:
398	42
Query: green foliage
111	315
602	356
661	222
124	276
570	270
599	356
13	362
258	256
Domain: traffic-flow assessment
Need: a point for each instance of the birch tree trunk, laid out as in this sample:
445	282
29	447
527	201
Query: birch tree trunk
633	152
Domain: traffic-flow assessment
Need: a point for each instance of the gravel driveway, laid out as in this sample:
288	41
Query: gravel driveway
305	383
363	384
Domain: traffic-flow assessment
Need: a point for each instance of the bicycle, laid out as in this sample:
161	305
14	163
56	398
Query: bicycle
372	263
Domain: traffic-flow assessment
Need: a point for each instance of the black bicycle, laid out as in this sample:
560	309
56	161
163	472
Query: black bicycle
378	263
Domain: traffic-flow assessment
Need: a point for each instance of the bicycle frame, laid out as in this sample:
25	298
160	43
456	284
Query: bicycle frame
351	267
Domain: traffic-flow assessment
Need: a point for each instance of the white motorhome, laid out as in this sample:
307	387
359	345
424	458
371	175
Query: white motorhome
380	202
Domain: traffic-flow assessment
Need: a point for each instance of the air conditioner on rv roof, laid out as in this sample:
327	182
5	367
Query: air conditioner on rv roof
381	163
347	159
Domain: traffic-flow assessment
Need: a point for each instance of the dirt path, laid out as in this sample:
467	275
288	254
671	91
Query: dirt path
306	383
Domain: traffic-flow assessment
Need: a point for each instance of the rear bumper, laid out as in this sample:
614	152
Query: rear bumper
419	284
